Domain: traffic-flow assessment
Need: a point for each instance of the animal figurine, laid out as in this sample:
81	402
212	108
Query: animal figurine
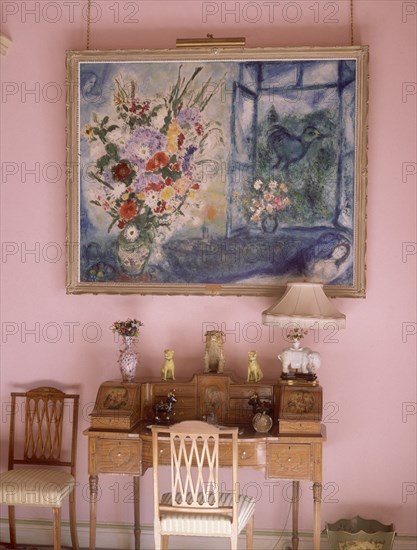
214	356
165	407
168	368
314	362
296	359
254	370
303	360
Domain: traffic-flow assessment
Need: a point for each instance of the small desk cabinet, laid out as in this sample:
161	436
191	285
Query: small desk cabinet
120	441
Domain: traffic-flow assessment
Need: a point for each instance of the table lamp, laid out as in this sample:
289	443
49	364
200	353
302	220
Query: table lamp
303	306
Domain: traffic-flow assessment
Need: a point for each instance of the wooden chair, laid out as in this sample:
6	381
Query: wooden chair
44	432
196	506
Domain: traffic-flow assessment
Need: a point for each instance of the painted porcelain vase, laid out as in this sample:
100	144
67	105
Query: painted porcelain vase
128	359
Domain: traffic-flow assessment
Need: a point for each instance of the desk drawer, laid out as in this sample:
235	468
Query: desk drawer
289	461
161	389
246	391
116	456
164	453
250	454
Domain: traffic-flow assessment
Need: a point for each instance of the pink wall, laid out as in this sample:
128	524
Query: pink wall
368	376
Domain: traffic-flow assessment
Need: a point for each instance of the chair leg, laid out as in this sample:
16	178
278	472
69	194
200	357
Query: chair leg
73	521
164	542
249	534
57	528
157	540
12	526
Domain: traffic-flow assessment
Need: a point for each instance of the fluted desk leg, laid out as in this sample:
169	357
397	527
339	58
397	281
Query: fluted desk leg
93	483
317	491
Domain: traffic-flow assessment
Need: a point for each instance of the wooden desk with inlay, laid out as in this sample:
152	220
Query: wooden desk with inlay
120	441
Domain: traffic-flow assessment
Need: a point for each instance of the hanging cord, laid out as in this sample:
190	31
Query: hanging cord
284	528
352	41
89	23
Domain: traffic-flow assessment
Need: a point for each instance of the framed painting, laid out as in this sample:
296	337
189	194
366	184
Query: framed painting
216	171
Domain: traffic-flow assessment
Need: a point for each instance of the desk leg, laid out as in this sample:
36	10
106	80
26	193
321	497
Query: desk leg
317	491
136	496
295	504
93	481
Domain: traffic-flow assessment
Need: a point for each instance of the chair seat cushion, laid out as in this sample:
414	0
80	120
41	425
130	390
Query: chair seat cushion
214	525
35	487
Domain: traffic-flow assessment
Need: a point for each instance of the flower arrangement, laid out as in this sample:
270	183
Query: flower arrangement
130	327
267	199
296	334
146	154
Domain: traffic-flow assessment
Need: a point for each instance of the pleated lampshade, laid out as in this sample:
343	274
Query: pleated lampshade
304	304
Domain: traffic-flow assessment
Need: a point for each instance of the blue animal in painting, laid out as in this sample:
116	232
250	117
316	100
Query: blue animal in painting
289	148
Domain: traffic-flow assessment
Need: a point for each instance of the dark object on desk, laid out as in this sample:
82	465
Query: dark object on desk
309	376
164	408
262	421
258	406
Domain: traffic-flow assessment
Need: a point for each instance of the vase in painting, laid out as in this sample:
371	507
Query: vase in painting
133	250
269	224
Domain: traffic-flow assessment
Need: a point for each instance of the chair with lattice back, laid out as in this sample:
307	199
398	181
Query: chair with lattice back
196	505
42	455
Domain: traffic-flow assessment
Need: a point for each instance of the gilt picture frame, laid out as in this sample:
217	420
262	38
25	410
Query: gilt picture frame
219	171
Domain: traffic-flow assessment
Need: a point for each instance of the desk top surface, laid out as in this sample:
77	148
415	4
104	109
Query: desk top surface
142	430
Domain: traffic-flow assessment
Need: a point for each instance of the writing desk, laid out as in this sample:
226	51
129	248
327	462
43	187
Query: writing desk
291	456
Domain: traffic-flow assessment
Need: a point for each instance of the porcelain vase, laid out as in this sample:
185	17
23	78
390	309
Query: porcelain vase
128	359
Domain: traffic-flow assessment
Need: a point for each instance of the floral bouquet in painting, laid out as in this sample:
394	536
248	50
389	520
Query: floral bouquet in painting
146	162
268	198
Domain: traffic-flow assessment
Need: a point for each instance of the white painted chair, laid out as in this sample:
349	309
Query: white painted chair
36	475
195	506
